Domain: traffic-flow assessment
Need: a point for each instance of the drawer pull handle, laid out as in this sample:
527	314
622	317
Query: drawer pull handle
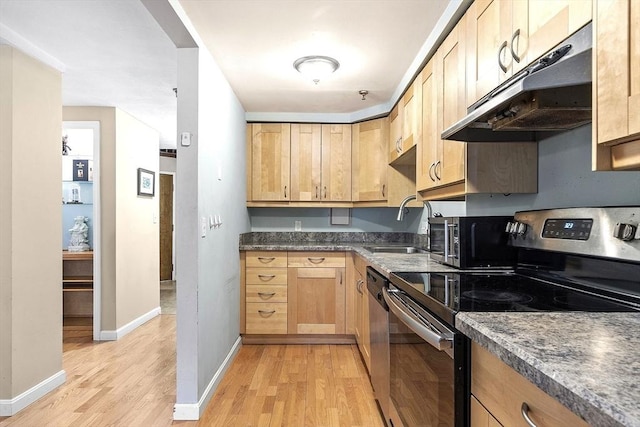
317	260
266	295
266	277
266	312
525	414
266	259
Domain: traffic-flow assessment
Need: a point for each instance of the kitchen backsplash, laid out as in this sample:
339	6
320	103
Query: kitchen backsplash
259	238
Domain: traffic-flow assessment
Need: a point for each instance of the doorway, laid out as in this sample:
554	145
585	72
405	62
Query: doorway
81	283
167	274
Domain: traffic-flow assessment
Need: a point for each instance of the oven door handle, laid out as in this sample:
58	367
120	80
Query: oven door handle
440	342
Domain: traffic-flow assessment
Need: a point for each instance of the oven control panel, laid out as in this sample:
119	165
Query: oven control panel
573	229
608	232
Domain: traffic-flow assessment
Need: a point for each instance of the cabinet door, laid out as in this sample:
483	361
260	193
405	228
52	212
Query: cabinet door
316	301
488	32
306	162
543	24
480	417
617	84
270	151
428	151
502	391
450	66
370	160
395	131
336	163
411	119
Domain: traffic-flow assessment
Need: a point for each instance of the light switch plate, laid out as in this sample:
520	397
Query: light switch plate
297	225
185	139
203	227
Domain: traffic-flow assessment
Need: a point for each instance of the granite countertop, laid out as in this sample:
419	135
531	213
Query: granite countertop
590	362
385	263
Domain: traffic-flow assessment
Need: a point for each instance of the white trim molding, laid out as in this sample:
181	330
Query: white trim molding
121	332
10	407
193	411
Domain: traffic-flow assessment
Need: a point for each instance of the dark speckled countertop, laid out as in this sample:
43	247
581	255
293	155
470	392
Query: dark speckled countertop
385	263
590	362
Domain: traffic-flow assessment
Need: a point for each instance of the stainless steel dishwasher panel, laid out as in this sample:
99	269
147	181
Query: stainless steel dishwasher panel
379	335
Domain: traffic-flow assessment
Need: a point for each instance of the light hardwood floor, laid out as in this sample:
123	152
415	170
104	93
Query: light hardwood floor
131	382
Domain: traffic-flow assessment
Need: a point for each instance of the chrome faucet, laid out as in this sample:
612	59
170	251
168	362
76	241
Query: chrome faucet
402	211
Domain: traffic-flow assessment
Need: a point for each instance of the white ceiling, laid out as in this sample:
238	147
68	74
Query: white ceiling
114	53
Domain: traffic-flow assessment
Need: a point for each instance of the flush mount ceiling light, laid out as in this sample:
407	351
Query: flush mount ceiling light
316	67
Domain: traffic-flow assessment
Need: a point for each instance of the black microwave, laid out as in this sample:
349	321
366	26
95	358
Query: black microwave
471	242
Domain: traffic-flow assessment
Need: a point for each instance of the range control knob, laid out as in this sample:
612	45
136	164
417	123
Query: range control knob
521	228
624	231
509	227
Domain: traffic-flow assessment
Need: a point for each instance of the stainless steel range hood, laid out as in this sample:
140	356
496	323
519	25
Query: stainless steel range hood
551	95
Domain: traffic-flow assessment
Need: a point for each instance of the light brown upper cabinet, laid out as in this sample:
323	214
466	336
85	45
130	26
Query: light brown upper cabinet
336	163
452	169
370	160
505	36
429	149
405	122
320	163
270	151
441	163
616	85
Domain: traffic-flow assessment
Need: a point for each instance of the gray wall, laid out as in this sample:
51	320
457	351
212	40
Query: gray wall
565	179
211	182
362	219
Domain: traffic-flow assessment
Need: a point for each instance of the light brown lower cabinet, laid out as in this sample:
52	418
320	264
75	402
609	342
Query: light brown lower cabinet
293	293
316	298
264	296
363	337
502	392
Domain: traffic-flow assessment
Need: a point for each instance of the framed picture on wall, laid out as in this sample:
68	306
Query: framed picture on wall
146	182
80	170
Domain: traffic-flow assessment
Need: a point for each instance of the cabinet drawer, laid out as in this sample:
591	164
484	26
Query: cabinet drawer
266	318
266	276
502	391
317	259
266	259
266	293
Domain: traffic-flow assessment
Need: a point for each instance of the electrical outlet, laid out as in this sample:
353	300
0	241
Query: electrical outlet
297	226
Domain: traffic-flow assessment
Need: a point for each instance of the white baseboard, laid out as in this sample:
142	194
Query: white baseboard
121	332
9	407
193	411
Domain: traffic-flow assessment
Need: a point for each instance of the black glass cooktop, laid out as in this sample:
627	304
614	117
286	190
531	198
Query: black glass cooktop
448	293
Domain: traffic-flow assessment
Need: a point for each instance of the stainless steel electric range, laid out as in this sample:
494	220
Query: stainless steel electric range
577	259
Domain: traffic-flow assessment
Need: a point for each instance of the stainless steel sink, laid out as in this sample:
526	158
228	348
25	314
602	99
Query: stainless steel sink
395	249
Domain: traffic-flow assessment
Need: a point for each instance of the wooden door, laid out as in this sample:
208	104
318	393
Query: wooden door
166	227
336	163
488	35
450	70
306	162
428	151
369	173
316	300
270	158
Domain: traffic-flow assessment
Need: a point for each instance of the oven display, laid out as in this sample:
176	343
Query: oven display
571	229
